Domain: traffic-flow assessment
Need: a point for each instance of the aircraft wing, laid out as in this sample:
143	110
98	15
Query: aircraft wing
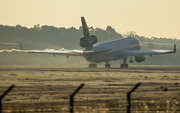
127	53
150	52
57	51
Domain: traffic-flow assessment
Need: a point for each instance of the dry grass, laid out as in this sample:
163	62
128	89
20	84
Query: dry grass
49	90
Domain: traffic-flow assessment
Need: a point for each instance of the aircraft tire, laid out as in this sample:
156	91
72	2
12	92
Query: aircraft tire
126	65
109	65
105	65
95	65
122	66
90	66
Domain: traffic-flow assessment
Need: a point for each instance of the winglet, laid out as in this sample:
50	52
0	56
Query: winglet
21	47
85	28
174	48
174	51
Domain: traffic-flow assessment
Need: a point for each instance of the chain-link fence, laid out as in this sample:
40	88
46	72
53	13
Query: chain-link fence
147	98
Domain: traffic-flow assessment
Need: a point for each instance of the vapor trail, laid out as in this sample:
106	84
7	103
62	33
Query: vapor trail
10	50
9	43
36	51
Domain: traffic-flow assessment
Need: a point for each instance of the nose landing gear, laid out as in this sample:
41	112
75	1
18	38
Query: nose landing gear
130	61
92	65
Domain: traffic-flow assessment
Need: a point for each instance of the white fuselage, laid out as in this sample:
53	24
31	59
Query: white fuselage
116	49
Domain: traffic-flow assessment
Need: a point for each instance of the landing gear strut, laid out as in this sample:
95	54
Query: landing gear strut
124	65
130	61
107	65
92	65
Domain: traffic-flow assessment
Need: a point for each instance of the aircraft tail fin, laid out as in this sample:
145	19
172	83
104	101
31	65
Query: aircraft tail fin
85	28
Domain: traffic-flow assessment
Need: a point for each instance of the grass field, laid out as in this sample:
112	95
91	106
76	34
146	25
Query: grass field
47	89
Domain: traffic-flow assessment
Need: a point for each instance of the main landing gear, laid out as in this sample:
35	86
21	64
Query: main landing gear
92	65
124	65
107	65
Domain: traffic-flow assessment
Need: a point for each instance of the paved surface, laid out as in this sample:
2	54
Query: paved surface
151	67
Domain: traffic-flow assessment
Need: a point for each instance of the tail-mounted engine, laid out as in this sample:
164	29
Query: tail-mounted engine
140	58
88	42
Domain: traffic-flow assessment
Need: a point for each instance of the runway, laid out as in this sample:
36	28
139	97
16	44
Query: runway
100	69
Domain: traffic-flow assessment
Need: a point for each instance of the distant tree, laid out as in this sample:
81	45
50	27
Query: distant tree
18	26
175	39
37	27
154	38
72	28
130	34
91	29
109	29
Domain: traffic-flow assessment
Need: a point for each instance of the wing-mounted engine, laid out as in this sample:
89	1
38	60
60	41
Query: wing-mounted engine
88	40
140	58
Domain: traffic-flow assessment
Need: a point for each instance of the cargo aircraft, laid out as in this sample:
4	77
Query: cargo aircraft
106	51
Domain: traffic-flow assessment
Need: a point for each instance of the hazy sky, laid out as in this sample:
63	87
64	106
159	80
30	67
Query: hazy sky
160	18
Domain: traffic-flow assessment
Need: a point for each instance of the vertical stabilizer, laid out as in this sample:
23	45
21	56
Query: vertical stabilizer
85	28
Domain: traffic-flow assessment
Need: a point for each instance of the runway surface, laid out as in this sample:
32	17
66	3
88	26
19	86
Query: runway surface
58	68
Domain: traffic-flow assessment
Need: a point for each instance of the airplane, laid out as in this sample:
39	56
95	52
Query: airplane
104	52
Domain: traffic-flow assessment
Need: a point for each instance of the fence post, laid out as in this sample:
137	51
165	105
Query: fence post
72	98
3	96
129	98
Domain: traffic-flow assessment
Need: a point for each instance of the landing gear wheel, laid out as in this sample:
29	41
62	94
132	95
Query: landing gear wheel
124	66
92	65
131	61
95	65
107	65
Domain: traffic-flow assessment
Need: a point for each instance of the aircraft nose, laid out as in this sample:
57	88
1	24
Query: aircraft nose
138	41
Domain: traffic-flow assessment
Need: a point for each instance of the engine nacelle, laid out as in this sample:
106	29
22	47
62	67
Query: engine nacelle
140	58
88	42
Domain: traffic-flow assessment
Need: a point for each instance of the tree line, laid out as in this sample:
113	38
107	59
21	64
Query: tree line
41	37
